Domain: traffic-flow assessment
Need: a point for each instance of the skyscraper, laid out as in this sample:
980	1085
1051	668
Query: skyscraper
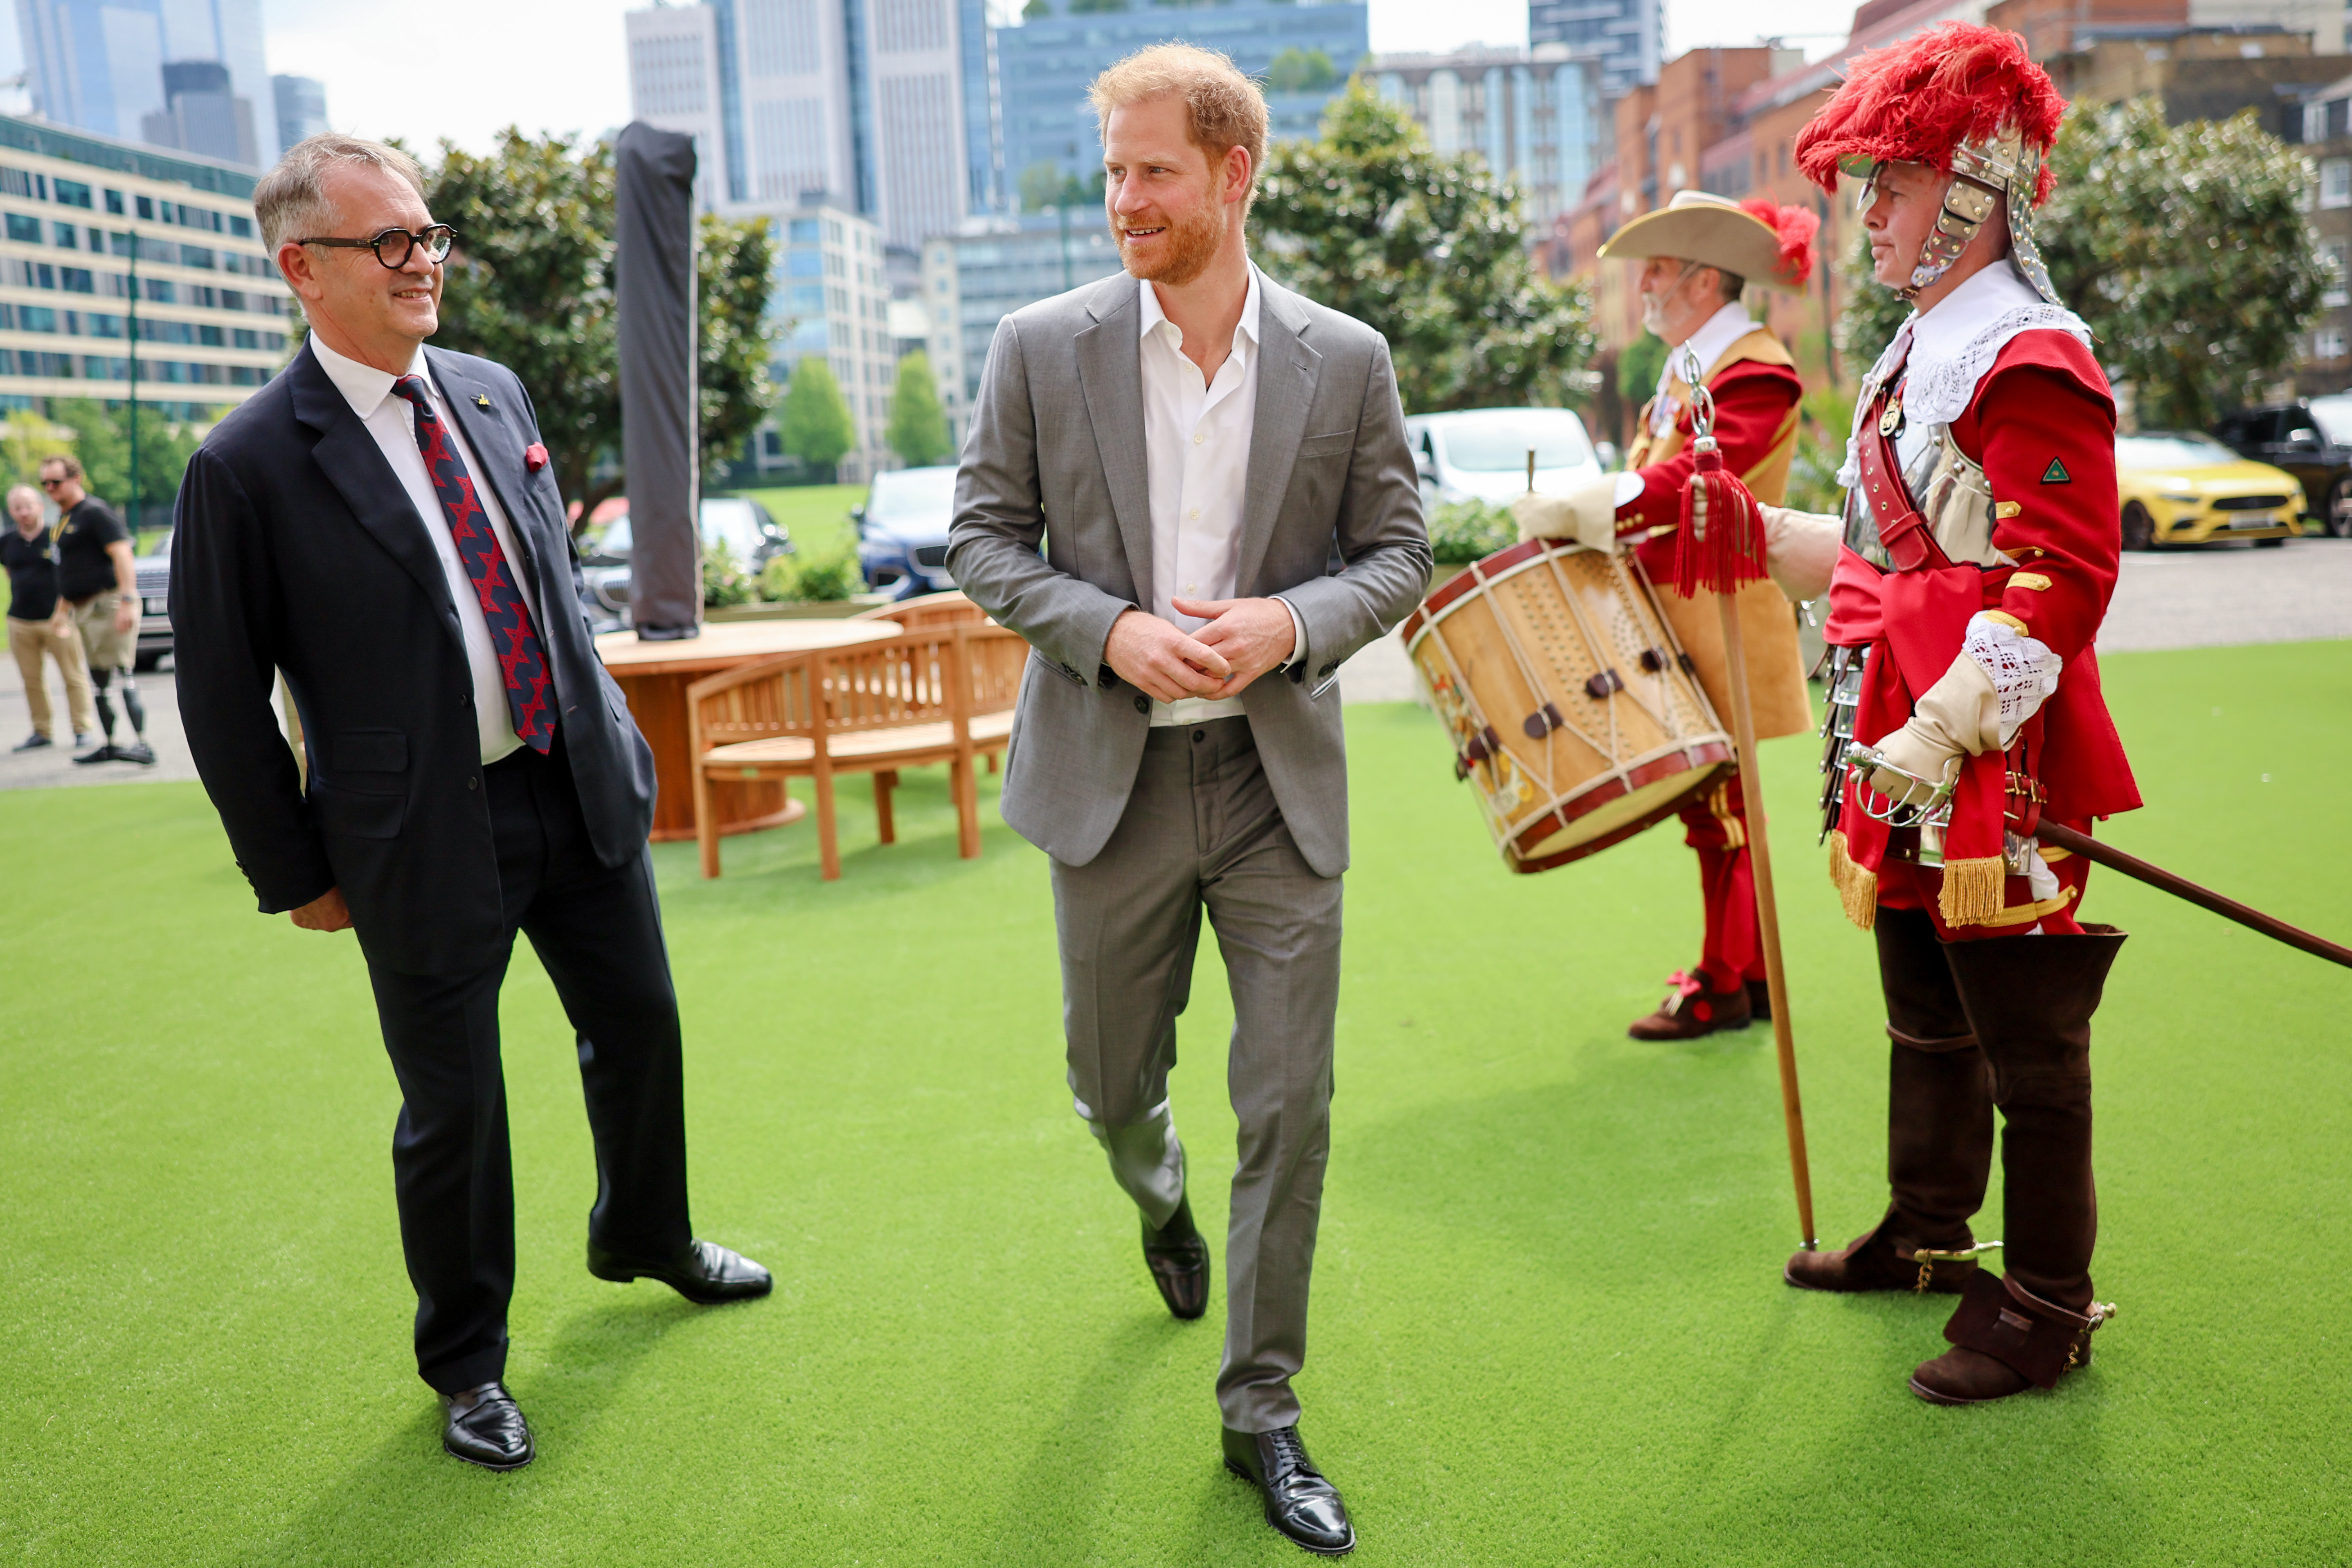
859	104
1304	51
1628	35
301	109
101	65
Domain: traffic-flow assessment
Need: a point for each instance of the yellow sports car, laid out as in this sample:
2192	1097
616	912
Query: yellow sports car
2182	488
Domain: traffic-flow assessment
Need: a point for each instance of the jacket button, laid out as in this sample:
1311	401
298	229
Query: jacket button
472	783
1143	705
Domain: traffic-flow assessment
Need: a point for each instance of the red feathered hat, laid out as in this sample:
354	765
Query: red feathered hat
1917	101
1794	227
1752	240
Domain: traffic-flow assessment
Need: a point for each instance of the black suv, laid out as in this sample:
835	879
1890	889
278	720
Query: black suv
2310	438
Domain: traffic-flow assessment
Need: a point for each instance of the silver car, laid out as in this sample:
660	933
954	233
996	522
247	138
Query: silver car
1482	453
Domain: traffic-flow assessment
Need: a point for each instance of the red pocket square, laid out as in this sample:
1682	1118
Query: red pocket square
534	457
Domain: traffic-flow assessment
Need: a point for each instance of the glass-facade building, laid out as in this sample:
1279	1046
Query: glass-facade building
1044	64
971	283
99	239
831	299
102	65
1535	115
1627	36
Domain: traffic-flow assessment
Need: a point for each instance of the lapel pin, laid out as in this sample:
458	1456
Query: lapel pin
480	402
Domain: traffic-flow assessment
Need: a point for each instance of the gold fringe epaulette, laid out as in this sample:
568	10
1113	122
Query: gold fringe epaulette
1972	890
1857	887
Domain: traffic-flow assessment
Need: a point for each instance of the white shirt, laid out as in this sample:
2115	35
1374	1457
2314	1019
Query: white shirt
1196	443
391	420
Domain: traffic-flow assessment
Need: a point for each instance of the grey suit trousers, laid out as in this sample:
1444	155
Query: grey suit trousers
1202	831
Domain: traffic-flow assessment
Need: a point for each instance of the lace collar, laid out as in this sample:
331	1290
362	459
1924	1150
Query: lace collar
1945	351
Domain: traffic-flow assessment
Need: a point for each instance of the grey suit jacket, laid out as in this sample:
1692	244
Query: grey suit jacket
1331	522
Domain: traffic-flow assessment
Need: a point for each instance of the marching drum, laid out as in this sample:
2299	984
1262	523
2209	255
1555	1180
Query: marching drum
1572	709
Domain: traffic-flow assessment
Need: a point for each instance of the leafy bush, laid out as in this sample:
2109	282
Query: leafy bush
724	581
1825	418
811	579
1465	531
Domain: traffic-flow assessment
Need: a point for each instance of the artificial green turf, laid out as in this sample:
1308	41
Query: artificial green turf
1549	1322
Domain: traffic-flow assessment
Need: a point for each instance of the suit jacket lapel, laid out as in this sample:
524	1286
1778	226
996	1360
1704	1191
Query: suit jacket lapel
1110	379
354	465
497	447
1286	372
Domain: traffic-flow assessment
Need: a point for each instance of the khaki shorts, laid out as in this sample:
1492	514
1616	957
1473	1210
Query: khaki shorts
102	645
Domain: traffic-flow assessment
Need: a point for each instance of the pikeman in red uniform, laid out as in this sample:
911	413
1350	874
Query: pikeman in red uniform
1982	544
1697	256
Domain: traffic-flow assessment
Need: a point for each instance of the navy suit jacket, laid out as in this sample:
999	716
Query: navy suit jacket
296	548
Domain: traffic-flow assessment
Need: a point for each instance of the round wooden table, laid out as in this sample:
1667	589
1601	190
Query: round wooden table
654	677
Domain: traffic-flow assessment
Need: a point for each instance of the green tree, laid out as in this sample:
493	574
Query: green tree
815	423
2185	249
735	267
530	286
101	440
919	426
2183	246
25	440
1035	9
1638	368
1300	70
1429	251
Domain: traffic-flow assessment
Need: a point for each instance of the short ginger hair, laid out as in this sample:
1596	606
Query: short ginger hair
1227	109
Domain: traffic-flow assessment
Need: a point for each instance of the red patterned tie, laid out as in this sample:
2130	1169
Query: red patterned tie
520	659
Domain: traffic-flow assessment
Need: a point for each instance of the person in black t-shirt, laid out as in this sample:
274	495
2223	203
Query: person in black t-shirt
97	579
37	625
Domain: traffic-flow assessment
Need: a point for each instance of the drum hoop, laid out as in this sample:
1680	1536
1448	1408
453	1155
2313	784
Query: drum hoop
1443	599
1714	754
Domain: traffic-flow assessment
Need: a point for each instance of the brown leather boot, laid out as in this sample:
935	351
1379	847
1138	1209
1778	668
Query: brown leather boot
2006	1340
1875	1261
1691	1010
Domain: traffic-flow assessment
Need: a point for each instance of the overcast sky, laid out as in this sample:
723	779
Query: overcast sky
559	65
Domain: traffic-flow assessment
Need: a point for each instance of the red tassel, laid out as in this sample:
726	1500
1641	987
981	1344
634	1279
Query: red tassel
1720	545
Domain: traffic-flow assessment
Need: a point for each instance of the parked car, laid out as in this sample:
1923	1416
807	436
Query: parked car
2311	439
902	532
739	524
2178	487
154	579
1482	453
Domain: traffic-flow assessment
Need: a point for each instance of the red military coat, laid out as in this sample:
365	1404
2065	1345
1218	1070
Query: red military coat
2041	423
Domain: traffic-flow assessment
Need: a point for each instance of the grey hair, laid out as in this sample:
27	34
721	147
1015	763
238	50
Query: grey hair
290	200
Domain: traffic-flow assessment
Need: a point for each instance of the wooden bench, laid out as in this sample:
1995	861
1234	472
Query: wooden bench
944	694
925	610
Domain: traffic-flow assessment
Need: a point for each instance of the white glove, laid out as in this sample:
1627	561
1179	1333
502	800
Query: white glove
1587	513
1800	549
1960	715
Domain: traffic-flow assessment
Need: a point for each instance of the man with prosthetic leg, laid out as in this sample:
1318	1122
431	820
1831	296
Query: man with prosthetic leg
1980	548
1696	257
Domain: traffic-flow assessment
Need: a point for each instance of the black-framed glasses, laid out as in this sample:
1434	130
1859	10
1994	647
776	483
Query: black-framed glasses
393	245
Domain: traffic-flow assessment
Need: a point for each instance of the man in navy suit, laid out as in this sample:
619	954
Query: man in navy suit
380	524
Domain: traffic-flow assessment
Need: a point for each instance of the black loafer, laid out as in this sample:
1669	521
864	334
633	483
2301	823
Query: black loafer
1299	1502
32	742
1178	1256
705	1272
486	1428
106	753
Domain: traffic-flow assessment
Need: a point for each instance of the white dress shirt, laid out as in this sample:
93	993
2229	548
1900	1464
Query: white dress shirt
1196	442
391	420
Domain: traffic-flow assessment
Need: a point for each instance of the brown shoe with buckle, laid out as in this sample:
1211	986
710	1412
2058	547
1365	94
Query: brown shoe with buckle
1874	1261
2006	1340
1691	1010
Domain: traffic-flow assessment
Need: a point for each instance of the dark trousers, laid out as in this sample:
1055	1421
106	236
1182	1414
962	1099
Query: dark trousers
597	931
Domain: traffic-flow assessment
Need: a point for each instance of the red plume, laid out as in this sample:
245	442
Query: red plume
1915	101
1795	227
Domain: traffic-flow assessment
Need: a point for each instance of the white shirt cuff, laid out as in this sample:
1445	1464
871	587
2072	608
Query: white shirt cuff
1297	637
1630	487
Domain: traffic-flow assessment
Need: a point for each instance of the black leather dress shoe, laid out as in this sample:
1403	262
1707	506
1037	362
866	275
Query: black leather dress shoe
487	1428
1299	1502
705	1272
1178	1256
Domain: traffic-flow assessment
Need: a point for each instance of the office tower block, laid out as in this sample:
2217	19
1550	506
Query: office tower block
1629	35
1534	115
101	66
301	106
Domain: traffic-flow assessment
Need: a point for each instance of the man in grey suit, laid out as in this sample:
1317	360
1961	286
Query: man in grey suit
1218	472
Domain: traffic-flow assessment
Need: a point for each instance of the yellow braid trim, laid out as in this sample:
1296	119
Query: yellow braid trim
1972	890
1857	887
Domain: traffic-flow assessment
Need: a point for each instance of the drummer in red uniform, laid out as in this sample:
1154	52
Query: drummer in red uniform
1697	255
1981	544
